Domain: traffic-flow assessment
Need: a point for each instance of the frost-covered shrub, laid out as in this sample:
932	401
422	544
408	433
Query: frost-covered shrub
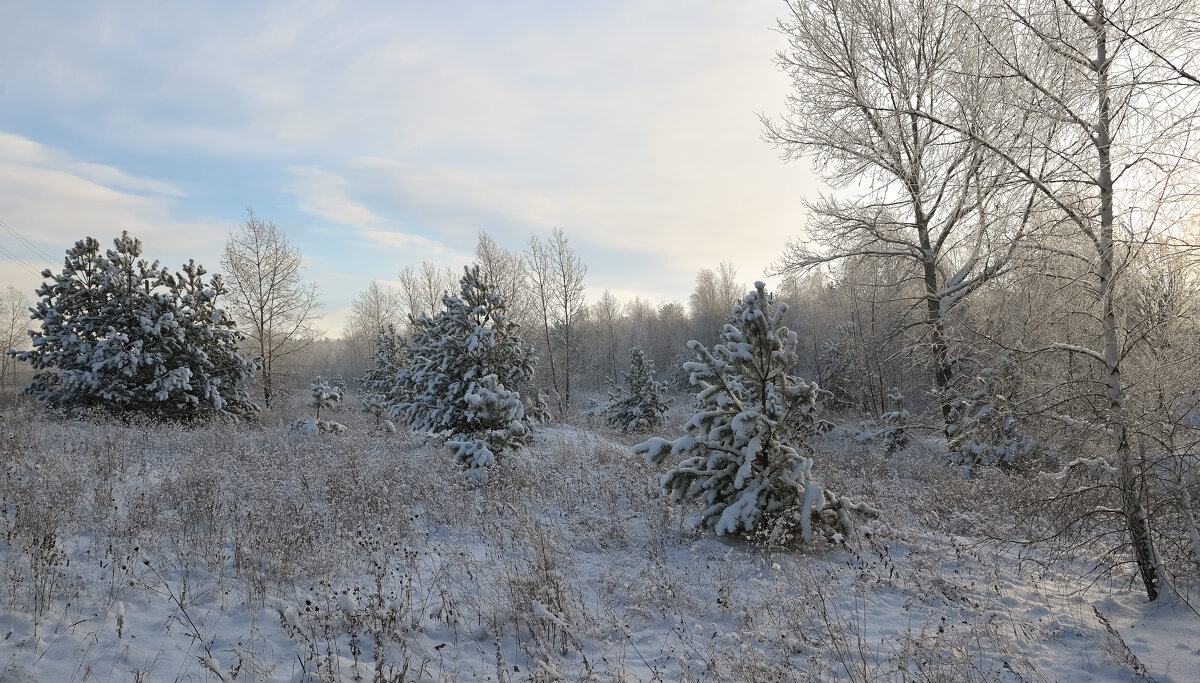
639	407
838	372
125	335
742	450
537	409
311	427
460	370
983	427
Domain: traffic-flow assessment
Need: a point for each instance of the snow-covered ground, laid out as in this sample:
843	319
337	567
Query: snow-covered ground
151	553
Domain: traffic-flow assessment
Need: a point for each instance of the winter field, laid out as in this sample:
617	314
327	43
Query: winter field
152	553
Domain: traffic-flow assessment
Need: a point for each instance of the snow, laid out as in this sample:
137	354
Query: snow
198	554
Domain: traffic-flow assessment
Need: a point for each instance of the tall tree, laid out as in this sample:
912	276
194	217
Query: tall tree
269	298
709	302
556	274
1113	104
1128	115
864	74
505	271
421	290
14	327
608	319
372	311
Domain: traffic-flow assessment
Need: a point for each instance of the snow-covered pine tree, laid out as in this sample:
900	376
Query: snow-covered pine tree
125	335
377	385
324	394
983	414
895	423
742	450
461	370
639	407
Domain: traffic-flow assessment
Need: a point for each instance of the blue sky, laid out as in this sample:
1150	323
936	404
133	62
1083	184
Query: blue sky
380	134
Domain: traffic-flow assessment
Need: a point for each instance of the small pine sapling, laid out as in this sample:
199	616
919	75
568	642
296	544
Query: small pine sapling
537	409
743	448
322	395
639	407
895	423
377	385
984	417
459	372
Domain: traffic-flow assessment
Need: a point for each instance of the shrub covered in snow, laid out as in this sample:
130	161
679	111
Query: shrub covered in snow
312	426
638	407
125	335
460	373
743	447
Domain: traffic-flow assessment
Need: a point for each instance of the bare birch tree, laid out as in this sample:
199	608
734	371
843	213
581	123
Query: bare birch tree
372	310
556	276
1117	118
14	328
421	291
268	297
863	73
504	271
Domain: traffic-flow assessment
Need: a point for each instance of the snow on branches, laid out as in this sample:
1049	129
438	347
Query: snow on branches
125	335
639	407
744	453
460	373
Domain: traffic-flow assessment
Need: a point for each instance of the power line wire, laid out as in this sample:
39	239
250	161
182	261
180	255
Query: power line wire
33	247
21	263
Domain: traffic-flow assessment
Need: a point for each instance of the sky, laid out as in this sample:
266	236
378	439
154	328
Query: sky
379	134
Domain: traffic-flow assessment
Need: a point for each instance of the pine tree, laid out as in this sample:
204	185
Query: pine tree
125	335
895	423
323	394
461	370
377	385
742	450
640	407
983	414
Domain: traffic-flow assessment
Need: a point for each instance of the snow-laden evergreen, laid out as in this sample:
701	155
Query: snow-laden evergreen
461	371
639	406
983	414
742	453
377	385
895	423
126	335
324	394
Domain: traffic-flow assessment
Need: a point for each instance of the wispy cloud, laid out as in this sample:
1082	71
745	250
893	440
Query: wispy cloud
411	127
53	200
323	194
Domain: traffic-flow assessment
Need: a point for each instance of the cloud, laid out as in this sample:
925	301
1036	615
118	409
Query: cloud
323	194
400	240
15	149
53	200
631	125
